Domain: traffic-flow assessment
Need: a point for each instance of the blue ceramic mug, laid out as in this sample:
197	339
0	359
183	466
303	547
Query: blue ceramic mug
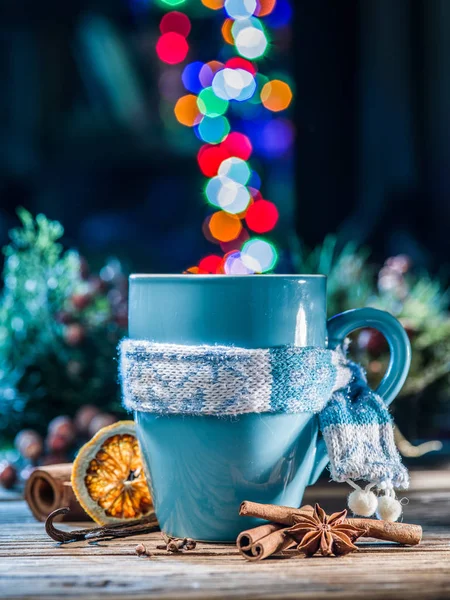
202	467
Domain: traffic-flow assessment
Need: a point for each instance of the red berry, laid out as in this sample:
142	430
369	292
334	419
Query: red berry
373	342
57	444
81	301
84	416
100	421
62	426
29	444
74	334
8	475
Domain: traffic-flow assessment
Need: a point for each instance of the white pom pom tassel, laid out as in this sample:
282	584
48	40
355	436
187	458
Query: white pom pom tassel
389	508
362	502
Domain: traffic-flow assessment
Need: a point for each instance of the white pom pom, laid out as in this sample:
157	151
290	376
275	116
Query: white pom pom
362	502
389	508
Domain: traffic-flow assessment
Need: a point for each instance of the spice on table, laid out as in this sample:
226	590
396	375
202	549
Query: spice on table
147	524
174	545
310	530
263	541
49	487
327	534
401	533
141	550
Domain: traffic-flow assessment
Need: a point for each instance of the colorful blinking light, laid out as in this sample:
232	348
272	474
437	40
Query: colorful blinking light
211	105
260	254
240	9
172	48
236	169
213	129
262	216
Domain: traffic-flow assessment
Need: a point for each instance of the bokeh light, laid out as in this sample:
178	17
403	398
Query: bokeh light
238	26
235	265
260	254
237	62
239	145
211	263
224	227
213	4
191	77
172	2
176	22
235	89
276	95
208	71
277	137
262	216
254	182
270	138
172	48
234	84
281	14
240	9
206	231
226	31
213	129
209	104
227	194
236	169
210	158
251	42
264	7
196	271
237	243
255	193
187	112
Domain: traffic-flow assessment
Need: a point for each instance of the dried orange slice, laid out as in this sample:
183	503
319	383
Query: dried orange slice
108	476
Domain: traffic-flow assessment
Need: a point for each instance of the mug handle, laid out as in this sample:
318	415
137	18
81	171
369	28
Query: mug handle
339	327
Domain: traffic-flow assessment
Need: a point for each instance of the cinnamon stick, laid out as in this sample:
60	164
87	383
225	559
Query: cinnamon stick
48	488
271	544
284	515
247	538
401	533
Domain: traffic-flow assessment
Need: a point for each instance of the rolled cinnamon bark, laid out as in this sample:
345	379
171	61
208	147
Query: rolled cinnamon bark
49	488
263	541
401	533
271	544
247	538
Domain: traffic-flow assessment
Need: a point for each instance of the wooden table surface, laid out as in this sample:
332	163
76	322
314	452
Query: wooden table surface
32	565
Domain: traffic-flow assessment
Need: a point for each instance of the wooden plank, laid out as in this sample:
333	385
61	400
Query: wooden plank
32	565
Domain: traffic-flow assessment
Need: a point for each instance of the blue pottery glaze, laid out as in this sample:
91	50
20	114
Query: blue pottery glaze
202	467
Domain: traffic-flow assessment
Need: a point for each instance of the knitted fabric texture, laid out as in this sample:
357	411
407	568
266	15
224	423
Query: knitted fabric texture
229	381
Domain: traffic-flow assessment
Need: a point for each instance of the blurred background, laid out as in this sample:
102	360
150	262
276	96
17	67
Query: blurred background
217	136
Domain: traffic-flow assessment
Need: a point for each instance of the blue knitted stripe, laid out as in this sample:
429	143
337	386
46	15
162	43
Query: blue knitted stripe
303	378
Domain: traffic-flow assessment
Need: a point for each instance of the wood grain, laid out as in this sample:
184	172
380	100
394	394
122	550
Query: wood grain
33	566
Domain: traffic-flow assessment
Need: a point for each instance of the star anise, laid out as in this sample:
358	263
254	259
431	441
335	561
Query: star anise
329	534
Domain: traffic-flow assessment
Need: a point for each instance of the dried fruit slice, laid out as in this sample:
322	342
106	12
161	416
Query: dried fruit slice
108	476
